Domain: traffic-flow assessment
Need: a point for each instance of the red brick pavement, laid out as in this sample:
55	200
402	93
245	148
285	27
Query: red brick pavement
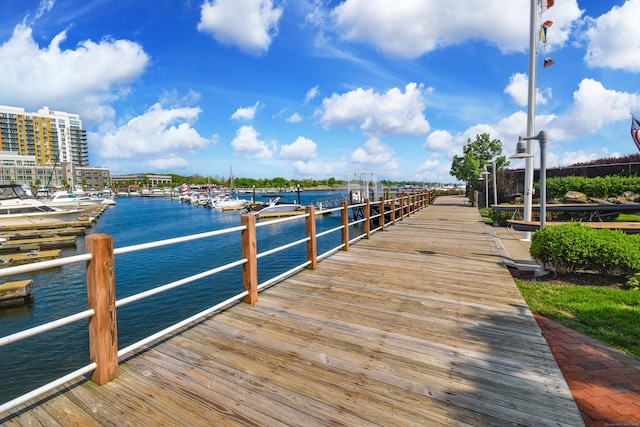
605	383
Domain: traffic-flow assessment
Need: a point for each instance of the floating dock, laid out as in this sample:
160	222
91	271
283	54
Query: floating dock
40	243
275	215
9	260
15	292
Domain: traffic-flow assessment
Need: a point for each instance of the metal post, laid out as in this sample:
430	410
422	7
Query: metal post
520	153
485	177
531	114
542	138
495	184
486	191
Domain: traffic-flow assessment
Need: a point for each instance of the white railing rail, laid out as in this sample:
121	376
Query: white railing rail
100	276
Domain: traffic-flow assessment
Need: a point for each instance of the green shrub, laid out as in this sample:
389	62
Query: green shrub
500	217
572	247
598	187
633	282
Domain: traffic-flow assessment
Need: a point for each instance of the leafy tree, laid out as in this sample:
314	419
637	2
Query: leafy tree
476	155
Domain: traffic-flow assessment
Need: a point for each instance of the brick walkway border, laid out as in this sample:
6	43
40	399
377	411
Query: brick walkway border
605	382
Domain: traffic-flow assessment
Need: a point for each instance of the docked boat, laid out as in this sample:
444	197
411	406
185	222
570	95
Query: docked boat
274	207
18	208
228	203
65	199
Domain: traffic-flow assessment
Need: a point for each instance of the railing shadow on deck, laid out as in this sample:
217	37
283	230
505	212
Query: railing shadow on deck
104	354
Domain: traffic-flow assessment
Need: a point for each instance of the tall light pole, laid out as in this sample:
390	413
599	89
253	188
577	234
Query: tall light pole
522	154
495	182
531	115
485	176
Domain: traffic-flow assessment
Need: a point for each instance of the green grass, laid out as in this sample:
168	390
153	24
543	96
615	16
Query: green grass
484	213
609	315
628	218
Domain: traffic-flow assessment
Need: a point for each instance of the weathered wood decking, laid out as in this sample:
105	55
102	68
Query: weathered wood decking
418	326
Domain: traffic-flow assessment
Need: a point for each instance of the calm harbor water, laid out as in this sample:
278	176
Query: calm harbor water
61	291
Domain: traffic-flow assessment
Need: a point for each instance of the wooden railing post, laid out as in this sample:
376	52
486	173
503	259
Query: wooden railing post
344	218
101	296
401	207
367	218
249	251
407	206
312	248
393	210
381	209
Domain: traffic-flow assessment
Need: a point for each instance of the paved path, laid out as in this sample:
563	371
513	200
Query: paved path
604	382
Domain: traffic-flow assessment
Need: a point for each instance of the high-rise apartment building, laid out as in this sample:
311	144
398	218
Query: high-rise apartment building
52	137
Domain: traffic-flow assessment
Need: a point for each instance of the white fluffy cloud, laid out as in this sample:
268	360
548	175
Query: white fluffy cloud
247	144
301	149
294	118
313	168
613	39
434	169
518	90
391	113
158	137
593	107
440	140
311	93
86	79
245	113
410	29
247	24
375	153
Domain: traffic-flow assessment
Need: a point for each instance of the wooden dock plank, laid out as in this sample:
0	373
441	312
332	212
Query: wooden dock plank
419	325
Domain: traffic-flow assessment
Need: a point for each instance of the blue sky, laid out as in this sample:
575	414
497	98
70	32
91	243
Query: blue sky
317	88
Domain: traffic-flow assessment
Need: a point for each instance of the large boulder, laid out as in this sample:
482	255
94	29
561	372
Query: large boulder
575	197
630	196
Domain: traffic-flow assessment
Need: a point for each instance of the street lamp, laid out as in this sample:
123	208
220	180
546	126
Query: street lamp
485	176
523	153
495	182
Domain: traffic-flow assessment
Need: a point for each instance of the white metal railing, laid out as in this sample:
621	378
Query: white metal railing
310	215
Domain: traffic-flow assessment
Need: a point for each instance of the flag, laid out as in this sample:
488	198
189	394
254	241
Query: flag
548	62
543	34
546	4
543	30
635	130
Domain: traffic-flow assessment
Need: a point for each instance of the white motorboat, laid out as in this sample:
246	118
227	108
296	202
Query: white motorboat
274	207
17	208
67	200
228	202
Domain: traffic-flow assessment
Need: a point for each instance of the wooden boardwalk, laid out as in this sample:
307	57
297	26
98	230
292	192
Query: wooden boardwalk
418	326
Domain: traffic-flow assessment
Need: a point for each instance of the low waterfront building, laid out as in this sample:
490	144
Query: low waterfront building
24	170
148	180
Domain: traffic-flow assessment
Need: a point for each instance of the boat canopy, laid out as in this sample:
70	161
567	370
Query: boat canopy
12	192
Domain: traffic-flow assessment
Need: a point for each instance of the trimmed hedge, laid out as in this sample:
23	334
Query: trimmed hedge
599	187
573	247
